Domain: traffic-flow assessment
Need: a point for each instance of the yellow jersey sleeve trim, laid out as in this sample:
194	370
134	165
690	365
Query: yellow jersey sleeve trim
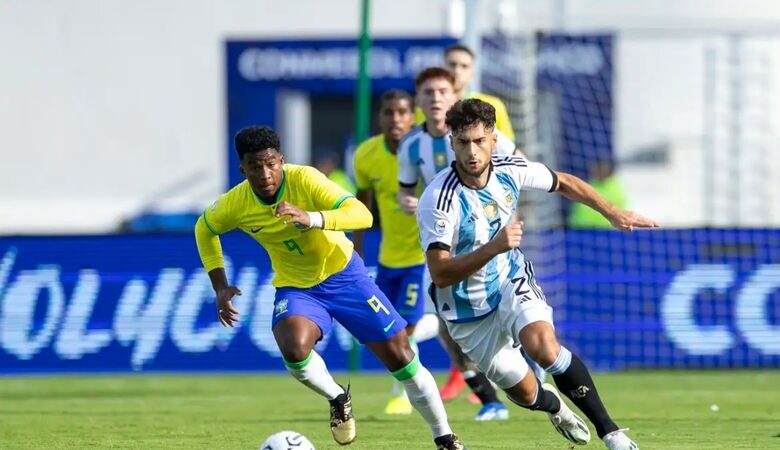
341	200
208	225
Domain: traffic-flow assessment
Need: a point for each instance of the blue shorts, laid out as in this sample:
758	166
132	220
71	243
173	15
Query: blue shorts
349	296
404	289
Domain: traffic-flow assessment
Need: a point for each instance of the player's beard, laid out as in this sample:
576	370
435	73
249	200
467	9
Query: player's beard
475	172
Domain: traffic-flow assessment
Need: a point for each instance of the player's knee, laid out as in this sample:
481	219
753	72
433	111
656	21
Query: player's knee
396	352
523	393
295	354
542	347
523	398
294	348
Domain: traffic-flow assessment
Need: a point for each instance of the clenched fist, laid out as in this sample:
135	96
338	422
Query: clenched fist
508	237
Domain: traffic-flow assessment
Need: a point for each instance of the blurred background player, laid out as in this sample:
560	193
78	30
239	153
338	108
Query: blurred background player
401	261
485	287
299	217
328	164
459	60
424	152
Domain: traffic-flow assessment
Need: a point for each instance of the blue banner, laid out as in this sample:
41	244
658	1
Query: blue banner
676	298
258	69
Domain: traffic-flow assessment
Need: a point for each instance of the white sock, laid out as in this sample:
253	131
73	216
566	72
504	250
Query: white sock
424	395
313	373
398	387
426	328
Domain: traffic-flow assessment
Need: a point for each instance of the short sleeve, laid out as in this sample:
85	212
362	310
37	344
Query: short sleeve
538	177
325	194
530	175
407	172
437	225
220	216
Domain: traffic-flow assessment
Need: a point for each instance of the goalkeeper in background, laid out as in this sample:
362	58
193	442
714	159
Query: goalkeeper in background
299	217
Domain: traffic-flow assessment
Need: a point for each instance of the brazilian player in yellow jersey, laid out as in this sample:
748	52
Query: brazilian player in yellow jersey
459	60
299	217
400	269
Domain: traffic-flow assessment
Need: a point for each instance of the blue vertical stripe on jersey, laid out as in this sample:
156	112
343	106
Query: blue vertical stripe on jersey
492	285
467	229
414	157
514	267
507	182
440	153
466	237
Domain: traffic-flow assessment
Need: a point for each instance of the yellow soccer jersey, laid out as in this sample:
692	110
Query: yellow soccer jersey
300	258
503	123
376	168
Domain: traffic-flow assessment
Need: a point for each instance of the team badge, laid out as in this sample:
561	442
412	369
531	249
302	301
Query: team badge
280	308
491	209
509	199
580	392
441	159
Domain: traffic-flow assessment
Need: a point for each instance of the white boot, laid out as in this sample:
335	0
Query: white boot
570	425
617	440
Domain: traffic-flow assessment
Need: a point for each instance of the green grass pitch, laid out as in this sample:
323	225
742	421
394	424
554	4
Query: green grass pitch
665	410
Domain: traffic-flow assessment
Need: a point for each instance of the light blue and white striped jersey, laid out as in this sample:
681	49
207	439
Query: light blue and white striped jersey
456	218
421	156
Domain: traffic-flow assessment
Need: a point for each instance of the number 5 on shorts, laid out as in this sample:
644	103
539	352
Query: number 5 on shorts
377	306
411	294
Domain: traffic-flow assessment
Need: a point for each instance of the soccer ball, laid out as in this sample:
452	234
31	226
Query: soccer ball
287	440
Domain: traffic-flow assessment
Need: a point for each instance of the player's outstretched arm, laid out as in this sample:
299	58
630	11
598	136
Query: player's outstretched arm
210	251
577	190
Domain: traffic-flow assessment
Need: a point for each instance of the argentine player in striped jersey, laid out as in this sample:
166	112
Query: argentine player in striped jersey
485	288
299	217
425	151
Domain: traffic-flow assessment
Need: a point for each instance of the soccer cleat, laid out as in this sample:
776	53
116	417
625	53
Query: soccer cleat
454	385
342	423
492	411
566	422
473	399
449	442
617	440
399	405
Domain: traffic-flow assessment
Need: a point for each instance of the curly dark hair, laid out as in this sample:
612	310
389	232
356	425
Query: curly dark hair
255	139
467	113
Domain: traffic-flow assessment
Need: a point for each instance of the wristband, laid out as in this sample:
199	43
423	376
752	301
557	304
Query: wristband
315	219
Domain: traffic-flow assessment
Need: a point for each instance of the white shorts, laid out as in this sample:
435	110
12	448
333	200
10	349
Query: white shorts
493	342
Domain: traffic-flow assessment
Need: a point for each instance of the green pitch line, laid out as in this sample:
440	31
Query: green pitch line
665	410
